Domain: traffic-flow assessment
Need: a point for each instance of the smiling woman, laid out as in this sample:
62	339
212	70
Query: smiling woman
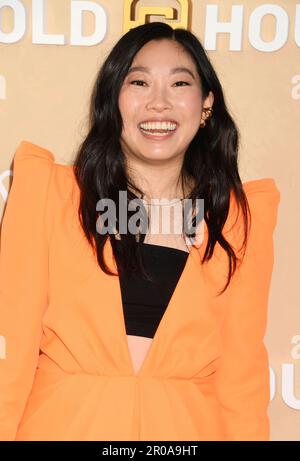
161	108
126	335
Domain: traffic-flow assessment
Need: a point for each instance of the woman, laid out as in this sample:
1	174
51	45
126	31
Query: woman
138	335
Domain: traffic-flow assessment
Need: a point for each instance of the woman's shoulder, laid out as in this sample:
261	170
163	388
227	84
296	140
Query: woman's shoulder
261	187
28	150
39	157
263	197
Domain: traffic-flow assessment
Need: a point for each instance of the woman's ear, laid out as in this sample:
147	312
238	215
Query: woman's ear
209	100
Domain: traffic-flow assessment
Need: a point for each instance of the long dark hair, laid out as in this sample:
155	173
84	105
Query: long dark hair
211	158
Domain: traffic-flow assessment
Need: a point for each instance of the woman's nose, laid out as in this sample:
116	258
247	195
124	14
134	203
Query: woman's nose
159	99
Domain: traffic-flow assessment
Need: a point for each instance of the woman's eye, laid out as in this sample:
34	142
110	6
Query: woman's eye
134	81
141	81
186	83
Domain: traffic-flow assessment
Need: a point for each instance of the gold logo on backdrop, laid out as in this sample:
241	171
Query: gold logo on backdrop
134	16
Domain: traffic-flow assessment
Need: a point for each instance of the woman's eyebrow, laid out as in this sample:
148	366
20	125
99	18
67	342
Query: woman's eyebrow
175	70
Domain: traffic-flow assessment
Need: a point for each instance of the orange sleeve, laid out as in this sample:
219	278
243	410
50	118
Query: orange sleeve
23	281
242	380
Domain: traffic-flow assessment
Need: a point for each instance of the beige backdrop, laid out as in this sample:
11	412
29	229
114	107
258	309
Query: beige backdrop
44	94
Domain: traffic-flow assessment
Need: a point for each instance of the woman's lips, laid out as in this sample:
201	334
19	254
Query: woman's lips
160	137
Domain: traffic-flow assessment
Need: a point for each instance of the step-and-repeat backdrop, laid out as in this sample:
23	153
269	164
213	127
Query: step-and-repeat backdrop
50	52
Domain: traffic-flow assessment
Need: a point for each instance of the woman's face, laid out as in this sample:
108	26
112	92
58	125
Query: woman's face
159	93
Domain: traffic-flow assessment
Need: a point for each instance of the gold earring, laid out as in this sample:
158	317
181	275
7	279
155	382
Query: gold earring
208	113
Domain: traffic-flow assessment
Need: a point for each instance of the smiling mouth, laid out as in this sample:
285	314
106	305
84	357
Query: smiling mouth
157	133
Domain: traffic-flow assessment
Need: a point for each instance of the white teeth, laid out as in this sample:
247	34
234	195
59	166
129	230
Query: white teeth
158	126
155	133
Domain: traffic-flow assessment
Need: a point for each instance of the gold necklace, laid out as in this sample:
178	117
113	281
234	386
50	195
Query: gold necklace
163	204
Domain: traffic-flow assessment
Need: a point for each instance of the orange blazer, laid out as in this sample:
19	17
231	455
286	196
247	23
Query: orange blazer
65	367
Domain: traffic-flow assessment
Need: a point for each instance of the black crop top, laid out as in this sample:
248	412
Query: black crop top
144	302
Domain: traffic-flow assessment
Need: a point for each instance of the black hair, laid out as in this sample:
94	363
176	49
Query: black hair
211	158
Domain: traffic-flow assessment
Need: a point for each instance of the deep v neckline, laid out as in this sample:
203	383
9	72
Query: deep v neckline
171	306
